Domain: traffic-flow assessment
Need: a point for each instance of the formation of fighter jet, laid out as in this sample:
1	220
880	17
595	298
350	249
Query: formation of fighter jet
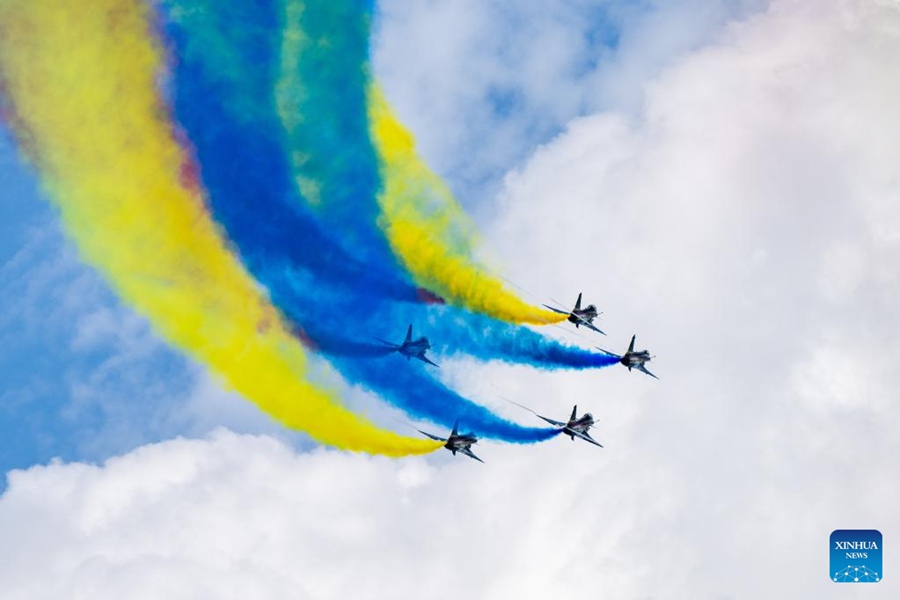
580	316
457	442
411	348
632	359
575	427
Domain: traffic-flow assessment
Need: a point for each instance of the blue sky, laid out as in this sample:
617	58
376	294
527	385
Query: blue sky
84	377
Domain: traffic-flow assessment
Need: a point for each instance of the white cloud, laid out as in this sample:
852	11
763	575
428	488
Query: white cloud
480	82
240	516
740	226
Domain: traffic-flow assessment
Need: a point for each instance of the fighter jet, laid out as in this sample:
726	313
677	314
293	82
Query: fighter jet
411	348
576	427
580	316
632	359
457	442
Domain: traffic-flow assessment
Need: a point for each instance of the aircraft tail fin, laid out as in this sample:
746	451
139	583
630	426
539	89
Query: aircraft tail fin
574	412
409	334
631	345
578	302
455	428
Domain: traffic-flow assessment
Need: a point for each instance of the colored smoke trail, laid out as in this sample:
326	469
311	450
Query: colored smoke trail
352	348
454	332
321	97
82	88
356	164
337	321
402	385
228	64
429	231
222	138
320	94
484	338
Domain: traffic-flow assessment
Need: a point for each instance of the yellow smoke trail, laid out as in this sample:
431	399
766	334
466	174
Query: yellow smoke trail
81	79
428	230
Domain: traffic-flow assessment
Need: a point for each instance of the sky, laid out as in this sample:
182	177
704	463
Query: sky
718	177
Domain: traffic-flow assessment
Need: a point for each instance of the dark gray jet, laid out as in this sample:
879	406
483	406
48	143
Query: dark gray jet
411	348
457	442
580	316
577	426
632	359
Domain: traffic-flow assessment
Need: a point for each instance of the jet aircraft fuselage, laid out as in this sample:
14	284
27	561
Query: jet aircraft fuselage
580	425
457	442
414	348
580	316
634	359
575	427
460	442
411	348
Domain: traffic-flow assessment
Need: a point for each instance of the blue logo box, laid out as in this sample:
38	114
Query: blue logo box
856	556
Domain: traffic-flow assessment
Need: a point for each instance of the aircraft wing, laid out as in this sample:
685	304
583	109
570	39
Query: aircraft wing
589	325
434	437
468	452
607	352
388	344
644	369
556	310
551	421
587	438
424	359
